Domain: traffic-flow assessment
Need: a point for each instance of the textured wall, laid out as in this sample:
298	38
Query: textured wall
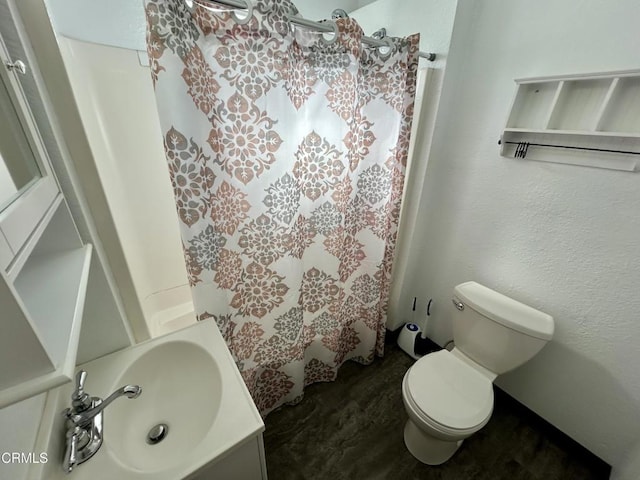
561	238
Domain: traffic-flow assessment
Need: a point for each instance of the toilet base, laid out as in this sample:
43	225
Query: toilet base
428	449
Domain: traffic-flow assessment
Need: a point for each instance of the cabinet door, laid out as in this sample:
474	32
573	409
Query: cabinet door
244	463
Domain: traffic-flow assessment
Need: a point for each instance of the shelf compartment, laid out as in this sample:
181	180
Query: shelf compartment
579	105
532	105
623	110
52	289
19	342
25	251
18	220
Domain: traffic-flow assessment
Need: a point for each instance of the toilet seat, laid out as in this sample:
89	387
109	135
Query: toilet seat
448	394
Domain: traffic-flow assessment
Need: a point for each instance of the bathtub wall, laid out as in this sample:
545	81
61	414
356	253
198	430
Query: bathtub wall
114	94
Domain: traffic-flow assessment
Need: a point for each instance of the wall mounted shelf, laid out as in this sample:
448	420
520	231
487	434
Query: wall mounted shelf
44	263
42	294
589	120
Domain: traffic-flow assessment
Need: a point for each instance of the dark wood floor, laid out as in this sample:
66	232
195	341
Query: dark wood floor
352	429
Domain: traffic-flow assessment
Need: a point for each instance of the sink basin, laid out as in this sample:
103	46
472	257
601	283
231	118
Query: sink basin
181	388
189	383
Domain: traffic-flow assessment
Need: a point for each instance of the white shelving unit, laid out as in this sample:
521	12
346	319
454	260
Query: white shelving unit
590	114
44	265
42	293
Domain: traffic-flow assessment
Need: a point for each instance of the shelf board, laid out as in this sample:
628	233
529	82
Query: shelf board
53	288
580	76
581	133
22	217
6	254
23	254
606	103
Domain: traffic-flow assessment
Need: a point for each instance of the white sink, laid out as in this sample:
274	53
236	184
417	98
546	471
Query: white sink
182	388
189	382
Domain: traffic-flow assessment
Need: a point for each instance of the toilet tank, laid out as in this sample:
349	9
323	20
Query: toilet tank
496	331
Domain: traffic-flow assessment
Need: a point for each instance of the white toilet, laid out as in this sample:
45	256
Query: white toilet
449	395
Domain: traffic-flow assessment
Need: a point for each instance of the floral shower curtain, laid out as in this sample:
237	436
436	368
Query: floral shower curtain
287	155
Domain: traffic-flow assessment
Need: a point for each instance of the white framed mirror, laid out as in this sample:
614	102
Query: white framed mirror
28	186
18	166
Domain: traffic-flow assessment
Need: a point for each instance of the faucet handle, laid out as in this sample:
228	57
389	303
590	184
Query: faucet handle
80	400
81	377
71	453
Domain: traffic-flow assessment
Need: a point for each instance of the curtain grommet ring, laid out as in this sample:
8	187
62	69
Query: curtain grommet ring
385	51
336	33
249	13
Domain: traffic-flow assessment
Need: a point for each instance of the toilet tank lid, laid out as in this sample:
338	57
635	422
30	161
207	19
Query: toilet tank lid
505	310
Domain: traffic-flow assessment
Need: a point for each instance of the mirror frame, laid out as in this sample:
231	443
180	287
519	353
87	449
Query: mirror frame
21	217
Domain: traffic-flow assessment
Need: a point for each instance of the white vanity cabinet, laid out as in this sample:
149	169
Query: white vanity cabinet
246	462
44	265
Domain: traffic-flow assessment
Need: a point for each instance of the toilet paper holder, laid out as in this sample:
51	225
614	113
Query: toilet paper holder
408	338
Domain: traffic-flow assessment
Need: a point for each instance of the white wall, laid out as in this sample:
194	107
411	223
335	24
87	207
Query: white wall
433	19
314	10
118	23
121	23
629	467
564	239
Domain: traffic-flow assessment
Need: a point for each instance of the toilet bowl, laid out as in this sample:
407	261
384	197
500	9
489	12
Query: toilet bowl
447	401
448	396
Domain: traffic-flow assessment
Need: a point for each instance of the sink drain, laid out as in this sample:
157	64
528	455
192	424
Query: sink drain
157	433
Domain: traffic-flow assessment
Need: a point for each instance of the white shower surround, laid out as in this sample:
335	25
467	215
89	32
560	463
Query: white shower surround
105	61
115	99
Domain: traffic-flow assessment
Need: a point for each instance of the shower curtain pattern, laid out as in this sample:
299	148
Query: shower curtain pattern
287	157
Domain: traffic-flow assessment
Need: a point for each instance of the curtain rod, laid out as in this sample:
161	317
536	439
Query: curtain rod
523	147
324	27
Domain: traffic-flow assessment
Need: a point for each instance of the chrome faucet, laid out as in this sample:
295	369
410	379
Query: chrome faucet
84	421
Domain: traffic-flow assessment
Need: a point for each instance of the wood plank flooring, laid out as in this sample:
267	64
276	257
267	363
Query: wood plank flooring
353	429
